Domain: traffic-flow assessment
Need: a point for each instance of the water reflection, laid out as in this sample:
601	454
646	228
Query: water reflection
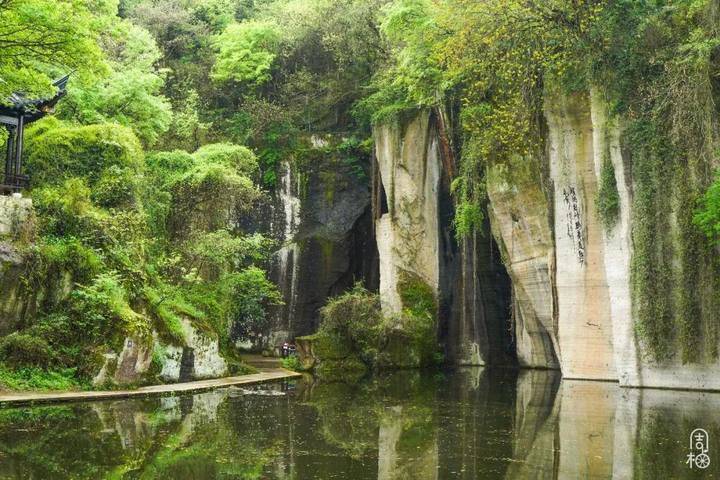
468	424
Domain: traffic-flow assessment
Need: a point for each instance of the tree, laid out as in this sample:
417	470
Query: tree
42	39
246	52
131	94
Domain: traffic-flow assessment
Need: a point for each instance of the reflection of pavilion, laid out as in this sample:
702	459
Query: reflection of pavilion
16	112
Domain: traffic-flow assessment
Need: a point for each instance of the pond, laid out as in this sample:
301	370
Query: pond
466	424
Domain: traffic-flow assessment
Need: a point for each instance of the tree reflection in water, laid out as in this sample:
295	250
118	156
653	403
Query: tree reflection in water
467	424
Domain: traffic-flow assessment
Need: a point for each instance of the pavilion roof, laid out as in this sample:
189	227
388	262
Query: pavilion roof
34	108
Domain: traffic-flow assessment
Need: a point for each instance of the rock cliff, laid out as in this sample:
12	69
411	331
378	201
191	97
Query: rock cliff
413	221
322	219
579	288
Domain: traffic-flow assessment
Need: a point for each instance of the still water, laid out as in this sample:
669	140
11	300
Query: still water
466	424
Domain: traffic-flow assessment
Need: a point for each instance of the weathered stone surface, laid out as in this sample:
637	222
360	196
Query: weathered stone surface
134	361
15	213
14	305
617	242
413	214
208	363
521	222
479	319
408	235
198	359
16	227
322	217
585	330
571	275
172	356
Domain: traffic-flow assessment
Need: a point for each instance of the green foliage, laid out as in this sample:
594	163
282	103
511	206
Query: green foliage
103	306
131	94
31	378
650	269
252	294
206	196
55	154
54	256
608	198
235	156
292	362
40	39
416	295
468	218
415	78
414	341
707	216
246	52
165	165
167	306
23	350
353	335
353	321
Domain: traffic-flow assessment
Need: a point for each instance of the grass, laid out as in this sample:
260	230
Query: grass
32	378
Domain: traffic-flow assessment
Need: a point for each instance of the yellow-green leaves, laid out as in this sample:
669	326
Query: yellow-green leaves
246	52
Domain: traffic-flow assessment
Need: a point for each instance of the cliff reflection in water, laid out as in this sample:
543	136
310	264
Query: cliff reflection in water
468	424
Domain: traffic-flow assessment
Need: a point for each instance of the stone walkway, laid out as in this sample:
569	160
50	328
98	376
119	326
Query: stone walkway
29	398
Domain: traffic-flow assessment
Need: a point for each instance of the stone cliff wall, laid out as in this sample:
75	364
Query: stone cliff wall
520	215
573	305
572	274
323	220
16	230
413	212
575	147
408	233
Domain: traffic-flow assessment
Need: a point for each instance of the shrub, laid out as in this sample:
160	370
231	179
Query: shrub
33	378
417	296
166	164
55	154
166	306
103	310
206	196
235	156
246	52
292	363
23	350
67	209
414	332
354	318
252	293
117	188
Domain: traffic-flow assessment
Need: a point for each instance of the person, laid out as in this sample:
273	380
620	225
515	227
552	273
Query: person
285	349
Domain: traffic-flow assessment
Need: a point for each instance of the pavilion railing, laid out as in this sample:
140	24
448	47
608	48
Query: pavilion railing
14	183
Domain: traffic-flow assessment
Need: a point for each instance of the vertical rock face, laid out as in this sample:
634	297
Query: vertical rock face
479	319
16	221
520	214
322	217
570	276
584	322
408	234
413	212
573	305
